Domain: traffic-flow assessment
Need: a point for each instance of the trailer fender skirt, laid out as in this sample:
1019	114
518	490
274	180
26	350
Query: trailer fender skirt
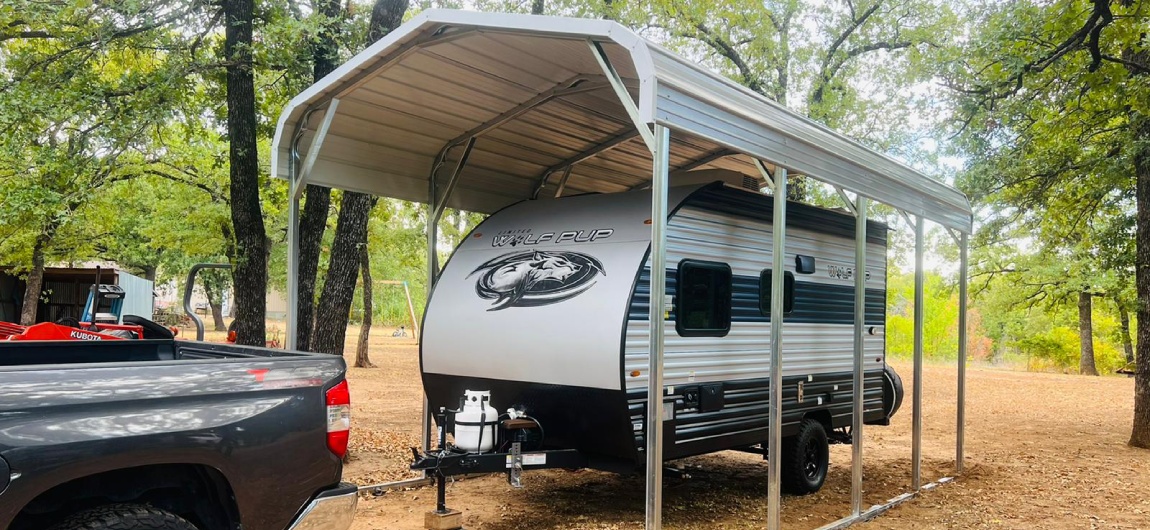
892	392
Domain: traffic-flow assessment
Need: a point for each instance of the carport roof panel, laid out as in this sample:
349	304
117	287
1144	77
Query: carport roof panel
447	71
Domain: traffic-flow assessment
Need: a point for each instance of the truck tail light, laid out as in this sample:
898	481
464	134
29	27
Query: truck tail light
338	418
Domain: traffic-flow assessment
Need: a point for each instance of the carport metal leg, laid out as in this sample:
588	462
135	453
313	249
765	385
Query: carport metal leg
860	208
775	405
961	405
293	242
292	269
432	275
656	318
916	418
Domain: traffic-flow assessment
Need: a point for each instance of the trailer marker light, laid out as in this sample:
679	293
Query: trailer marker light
634	373
338	418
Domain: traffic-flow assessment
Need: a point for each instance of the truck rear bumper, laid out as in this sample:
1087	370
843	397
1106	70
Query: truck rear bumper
330	510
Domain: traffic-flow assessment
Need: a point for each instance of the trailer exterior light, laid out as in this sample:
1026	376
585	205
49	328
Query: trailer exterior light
634	373
338	418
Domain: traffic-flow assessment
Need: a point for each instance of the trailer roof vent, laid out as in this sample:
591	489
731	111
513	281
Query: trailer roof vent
705	176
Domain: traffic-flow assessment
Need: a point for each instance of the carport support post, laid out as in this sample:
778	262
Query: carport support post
860	351
292	264
961	405
775	407
657	317
432	275
916	417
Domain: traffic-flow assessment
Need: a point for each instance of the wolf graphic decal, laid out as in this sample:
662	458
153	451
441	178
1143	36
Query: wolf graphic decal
535	277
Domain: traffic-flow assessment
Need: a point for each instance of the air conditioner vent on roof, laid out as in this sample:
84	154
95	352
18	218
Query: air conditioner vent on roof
703	176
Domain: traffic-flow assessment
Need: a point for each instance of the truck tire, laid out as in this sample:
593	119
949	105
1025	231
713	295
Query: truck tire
125	517
806	458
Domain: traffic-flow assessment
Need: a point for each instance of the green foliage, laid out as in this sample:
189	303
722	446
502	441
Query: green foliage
940	316
1044	95
112	142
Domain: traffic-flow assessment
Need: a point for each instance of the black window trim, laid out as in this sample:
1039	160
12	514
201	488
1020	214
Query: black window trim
703	332
788	292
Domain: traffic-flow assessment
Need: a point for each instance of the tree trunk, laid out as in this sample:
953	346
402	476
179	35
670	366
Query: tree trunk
361	354
215	302
386	15
317	199
351	227
34	284
1124	322
1140	433
796	188
342	271
249	270
312	224
1085	335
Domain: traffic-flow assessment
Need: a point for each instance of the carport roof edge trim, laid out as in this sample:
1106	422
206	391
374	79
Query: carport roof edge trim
780	135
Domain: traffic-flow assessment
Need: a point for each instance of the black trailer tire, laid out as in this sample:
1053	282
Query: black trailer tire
806	459
125	517
892	391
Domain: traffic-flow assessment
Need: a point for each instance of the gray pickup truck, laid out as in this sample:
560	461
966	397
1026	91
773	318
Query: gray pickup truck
173	435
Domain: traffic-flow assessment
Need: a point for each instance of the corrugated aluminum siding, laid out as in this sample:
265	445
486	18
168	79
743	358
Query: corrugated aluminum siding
138	299
745	245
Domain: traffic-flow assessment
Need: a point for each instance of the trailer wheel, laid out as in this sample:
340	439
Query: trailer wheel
806	458
125	517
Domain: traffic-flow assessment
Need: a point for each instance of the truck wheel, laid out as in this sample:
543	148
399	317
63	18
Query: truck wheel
806	458
125	517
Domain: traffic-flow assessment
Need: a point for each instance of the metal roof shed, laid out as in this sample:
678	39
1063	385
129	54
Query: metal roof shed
477	111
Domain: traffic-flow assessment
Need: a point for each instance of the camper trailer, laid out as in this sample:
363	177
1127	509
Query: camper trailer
540	318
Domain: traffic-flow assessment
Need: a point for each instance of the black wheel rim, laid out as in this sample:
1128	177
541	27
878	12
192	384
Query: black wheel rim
813	461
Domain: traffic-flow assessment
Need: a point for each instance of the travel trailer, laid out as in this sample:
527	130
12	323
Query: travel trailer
540	317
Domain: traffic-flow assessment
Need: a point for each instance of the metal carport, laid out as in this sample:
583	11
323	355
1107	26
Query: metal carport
476	111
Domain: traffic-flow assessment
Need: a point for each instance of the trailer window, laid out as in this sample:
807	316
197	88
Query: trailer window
703	299
765	292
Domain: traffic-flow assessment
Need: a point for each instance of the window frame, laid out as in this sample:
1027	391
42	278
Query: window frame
717	266
765	277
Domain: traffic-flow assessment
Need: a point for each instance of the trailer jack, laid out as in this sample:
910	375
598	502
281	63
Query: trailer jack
447	461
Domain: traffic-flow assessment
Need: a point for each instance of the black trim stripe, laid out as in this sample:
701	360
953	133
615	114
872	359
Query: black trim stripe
815	303
761	208
743	420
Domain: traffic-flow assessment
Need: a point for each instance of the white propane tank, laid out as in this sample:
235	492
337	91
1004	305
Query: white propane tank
475	424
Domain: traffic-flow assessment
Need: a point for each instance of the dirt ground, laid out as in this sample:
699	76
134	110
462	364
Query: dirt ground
1042	451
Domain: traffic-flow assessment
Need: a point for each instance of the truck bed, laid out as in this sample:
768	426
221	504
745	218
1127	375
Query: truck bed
27	353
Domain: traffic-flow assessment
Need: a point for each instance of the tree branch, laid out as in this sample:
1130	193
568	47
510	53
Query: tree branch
216	195
728	51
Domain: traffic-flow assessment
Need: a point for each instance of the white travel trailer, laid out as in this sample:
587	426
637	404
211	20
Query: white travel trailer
545	305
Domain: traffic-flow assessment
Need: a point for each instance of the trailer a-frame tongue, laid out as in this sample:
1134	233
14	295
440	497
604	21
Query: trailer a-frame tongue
477	111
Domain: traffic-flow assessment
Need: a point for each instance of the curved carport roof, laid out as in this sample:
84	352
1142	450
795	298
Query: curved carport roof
533	94
476	111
